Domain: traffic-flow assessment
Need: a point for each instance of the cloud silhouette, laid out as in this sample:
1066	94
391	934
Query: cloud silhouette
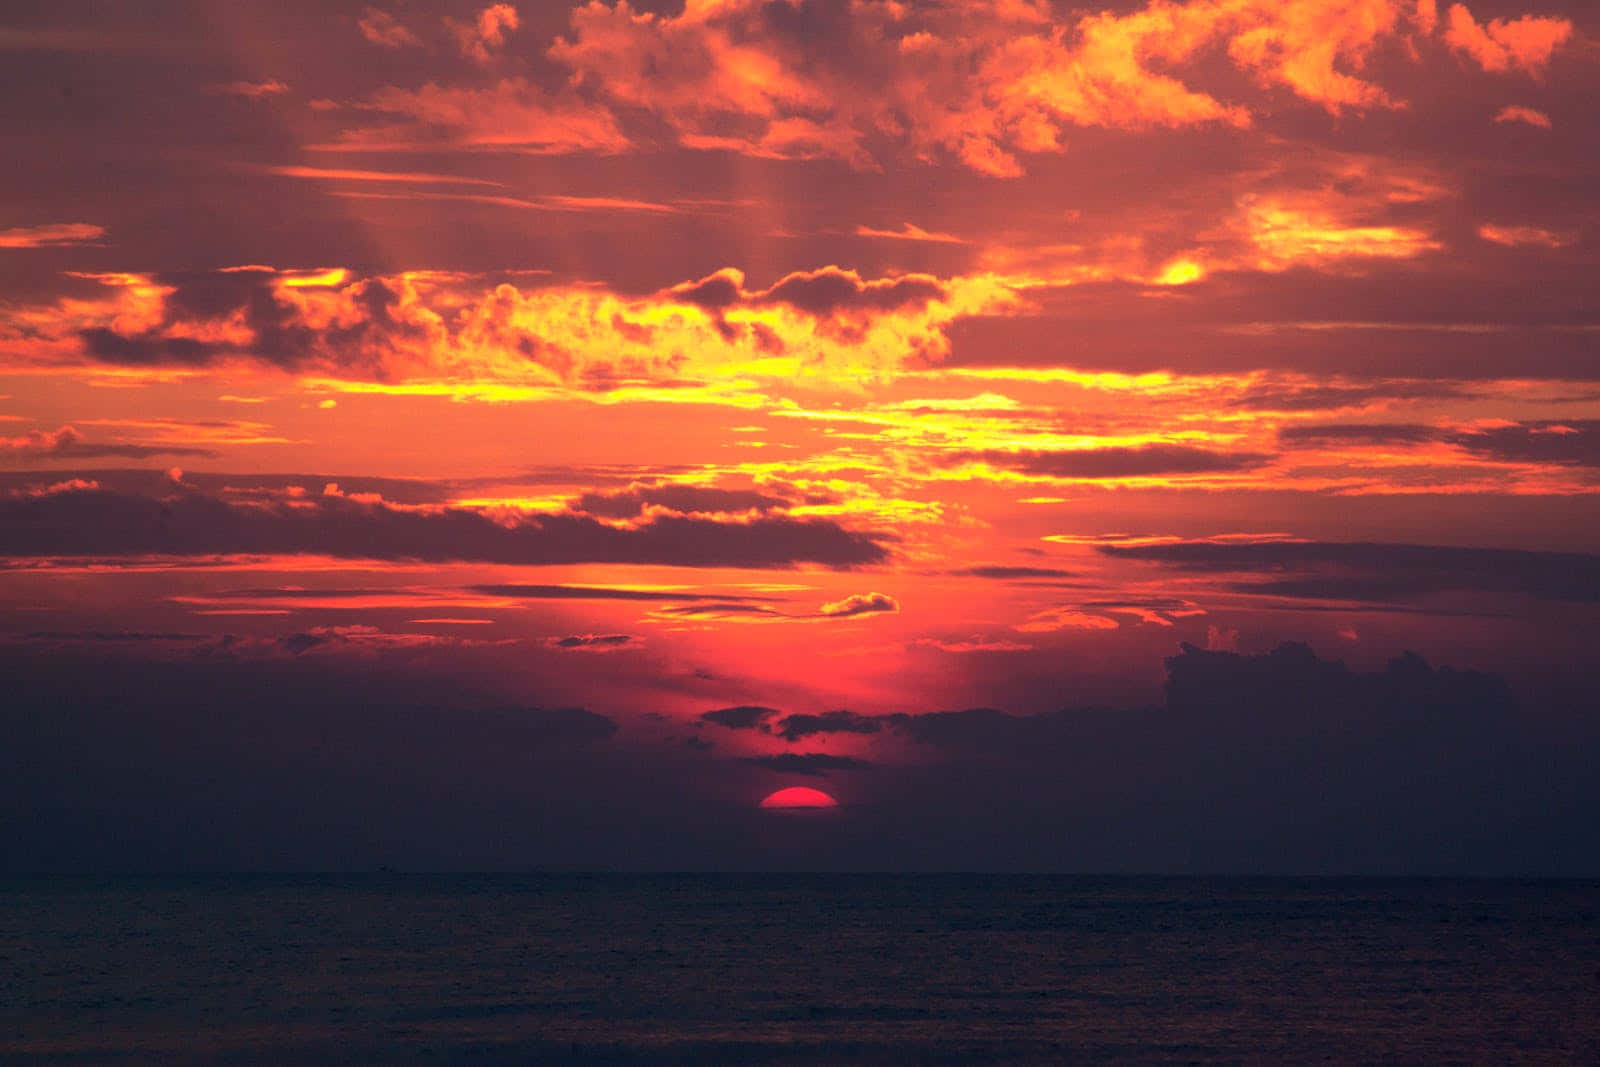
743	717
98	522
1380	571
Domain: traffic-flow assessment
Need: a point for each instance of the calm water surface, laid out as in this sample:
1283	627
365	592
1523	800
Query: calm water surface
796	969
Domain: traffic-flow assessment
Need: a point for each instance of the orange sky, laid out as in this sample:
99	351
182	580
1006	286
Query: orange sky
892	357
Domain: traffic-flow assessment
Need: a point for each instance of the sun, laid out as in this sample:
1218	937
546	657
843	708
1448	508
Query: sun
799	798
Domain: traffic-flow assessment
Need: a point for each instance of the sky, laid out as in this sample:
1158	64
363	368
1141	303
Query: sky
1154	437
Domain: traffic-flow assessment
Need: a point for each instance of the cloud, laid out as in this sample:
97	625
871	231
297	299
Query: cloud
589	592
683	499
1268	763
1328	570
1524	236
859	604
479	39
511	115
192	523
383	29
68	443
346	174
987	83
479	335
591	642
1527	115
831	291
250	90
743	717
816	764
1501	45
1359	434
799	726
1116	462
51	236
908	232
1574	442
1012	573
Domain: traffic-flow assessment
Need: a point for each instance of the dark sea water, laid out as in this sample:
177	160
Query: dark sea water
796	969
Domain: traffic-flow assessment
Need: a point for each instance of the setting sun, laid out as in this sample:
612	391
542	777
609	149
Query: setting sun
799	798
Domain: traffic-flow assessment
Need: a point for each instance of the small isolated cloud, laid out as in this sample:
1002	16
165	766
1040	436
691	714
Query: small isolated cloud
1507	44
1514	113
1066	619
249	90
743	717
908	232
51	236
591	642
1522	236
974	644
385	31
481	38
859	604
815	764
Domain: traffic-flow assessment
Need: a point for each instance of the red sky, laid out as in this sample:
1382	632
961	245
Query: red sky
890	358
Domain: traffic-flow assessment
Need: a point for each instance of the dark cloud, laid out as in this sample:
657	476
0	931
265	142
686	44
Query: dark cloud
1379	571
279	333
820	293
591	641
1014	572
1277	397
795	727
830	291
1575	442
715	292
744	717
1405	433
95	522
1277	762
816	764
974	728
1131	462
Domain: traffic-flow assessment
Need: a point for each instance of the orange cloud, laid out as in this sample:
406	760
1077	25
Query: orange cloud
1522	236
349	175
1501	44
1514	113
252	90
467	335
512	115
908	232
479	39
383	29
986	83
62	233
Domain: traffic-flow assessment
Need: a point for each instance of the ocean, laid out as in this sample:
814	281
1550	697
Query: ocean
796	969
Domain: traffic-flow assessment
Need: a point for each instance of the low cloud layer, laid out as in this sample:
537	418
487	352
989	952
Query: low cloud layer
95	522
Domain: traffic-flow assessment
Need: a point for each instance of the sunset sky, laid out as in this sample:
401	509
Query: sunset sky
493	436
